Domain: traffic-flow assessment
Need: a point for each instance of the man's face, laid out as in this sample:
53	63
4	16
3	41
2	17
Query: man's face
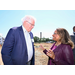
29	25
74	29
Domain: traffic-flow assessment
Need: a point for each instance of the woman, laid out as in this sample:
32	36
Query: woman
61	51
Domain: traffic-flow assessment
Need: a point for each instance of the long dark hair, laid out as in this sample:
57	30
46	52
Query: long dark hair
65	37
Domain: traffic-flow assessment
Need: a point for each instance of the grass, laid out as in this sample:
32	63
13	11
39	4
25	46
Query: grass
46	45
40	57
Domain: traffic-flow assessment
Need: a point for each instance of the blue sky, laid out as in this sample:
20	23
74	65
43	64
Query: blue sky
46	20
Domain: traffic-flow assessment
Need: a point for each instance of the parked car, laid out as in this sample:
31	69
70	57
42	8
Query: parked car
49	41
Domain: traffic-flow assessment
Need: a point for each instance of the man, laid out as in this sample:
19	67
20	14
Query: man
18	47
73	39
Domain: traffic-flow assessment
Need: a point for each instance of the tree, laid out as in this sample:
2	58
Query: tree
47	39
36	39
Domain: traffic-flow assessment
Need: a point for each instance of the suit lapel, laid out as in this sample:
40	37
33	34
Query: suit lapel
22	36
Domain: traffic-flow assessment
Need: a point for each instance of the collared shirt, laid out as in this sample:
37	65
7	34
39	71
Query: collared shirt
28	43
74	33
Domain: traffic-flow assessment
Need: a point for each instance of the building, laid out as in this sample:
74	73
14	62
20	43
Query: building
40	34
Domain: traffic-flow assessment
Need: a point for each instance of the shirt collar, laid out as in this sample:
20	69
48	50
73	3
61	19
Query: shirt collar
24	30
74	33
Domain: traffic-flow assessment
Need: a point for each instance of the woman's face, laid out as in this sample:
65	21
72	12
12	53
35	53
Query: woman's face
56	36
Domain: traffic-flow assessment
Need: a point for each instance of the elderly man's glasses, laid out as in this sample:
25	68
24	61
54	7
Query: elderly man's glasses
30	23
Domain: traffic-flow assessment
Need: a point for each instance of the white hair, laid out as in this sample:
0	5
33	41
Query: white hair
27	18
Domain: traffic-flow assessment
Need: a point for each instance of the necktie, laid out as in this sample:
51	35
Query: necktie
29	46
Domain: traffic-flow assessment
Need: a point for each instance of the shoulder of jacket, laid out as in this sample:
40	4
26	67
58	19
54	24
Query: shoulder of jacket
14	28
65	46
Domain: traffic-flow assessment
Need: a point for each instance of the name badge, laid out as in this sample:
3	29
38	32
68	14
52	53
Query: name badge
32	40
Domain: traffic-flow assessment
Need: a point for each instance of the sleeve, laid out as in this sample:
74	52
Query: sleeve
45	51
7	48
67	55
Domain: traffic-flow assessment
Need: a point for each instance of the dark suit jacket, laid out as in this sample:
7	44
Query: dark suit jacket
14	50
73	39
63	55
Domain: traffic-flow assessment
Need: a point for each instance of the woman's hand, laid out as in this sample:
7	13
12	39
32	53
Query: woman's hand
42	47
51	54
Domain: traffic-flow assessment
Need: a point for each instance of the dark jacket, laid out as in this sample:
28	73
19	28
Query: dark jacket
73	40
14	50
63	55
